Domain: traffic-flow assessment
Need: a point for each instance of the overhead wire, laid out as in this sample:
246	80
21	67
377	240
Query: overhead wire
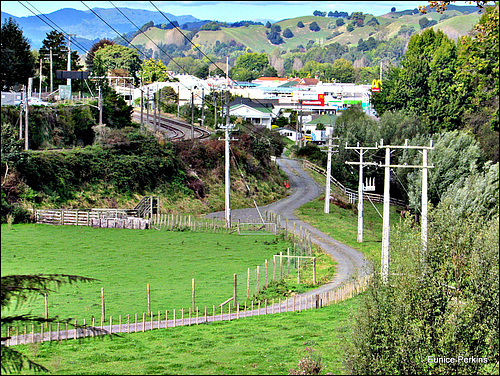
209	59
57	27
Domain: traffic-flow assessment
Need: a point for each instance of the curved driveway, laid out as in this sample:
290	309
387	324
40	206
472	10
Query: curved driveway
350	262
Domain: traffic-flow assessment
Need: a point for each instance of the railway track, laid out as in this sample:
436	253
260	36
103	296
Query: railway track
175	130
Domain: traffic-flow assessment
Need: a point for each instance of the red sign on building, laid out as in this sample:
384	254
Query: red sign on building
319	102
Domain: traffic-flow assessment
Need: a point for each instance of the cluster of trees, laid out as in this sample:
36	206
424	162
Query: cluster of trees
251	66
274	34
319	13
449	85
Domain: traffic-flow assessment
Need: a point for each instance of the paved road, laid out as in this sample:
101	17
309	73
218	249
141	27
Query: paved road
350	262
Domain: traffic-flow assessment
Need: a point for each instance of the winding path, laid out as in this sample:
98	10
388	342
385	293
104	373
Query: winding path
350	263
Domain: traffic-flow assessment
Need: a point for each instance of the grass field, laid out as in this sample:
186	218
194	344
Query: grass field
259	345
125	261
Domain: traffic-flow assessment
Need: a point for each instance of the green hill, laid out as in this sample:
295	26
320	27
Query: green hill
453	22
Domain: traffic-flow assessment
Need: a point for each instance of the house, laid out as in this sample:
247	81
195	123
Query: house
292	134
316	128
256	112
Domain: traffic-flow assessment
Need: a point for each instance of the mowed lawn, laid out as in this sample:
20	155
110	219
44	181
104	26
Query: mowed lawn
125	261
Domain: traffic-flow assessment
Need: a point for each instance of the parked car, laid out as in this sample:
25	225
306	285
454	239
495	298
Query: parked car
37	102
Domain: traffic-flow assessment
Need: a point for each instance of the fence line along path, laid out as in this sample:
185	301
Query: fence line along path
172	319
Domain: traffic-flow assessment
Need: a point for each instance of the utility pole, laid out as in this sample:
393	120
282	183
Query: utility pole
100	106
68	81
154	109
192	116
147	108
361	150
40	82
26	139
51	78
21	108
142	106
386	217
202	107
227	179
329	132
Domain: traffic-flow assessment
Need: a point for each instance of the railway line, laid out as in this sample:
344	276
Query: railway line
175	130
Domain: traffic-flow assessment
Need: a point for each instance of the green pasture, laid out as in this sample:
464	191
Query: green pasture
259	345
125	261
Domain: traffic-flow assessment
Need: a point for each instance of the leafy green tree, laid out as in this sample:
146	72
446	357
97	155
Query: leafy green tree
300	24
423	81
89	59
343	71
153	71
250	66
17	290
477	76
116	57
339	22
16	59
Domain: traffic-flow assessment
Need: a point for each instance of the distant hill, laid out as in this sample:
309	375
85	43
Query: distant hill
455	22
87	26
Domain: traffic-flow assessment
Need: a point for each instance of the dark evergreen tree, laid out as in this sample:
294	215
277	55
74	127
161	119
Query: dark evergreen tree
16	60
314	26
300	24
287	33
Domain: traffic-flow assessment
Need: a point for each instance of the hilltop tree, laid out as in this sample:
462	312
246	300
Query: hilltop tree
300	24
313	26
393	9
287	33
339	21
17	61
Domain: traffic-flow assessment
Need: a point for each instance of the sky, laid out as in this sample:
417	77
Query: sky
229	11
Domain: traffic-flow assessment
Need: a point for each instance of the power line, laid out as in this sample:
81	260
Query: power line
209	59
57	27
147	36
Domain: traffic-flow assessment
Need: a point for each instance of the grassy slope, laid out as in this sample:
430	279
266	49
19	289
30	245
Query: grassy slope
255	36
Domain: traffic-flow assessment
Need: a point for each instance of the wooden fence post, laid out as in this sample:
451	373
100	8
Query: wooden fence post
257	283
235	288
103	307
248	283
274	267
281	265
149	299
266	274
46	311
314	270
192	294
